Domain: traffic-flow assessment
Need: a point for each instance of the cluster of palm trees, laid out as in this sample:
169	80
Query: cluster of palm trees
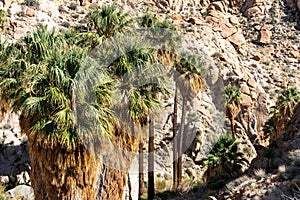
69	103
281	113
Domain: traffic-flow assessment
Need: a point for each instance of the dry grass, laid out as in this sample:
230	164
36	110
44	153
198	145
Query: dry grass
260	173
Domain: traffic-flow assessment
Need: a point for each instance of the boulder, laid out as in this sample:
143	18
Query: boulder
29	12
234	20
247	101
195	21
264	37
219	6
227	31
177	18
21	192
251	12
237	39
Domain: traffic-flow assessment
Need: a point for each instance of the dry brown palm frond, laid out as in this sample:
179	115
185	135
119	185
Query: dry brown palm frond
5	108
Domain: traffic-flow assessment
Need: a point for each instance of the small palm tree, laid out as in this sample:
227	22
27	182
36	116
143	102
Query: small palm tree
233	101
103	23
224	157
282	112
108	20
8	54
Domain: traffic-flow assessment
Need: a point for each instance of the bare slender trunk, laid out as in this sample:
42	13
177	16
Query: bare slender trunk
183	116
141	169
151	191
232	127
175	141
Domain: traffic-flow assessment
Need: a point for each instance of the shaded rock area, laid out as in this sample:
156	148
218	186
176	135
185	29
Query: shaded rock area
14	158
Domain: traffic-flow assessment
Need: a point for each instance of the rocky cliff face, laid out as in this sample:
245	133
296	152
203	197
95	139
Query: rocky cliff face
253	44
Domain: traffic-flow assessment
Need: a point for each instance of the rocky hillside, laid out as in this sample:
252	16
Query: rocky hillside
252	44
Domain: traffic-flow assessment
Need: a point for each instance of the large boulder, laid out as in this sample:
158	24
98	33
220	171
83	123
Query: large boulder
21	192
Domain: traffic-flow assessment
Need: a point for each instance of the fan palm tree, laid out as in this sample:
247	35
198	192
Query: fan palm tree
189	81
233	101
8	53
141	83
41	86
224	157
282	112
167	56
103	23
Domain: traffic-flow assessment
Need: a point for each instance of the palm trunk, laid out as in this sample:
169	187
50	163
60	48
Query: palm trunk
175	141
183	116
232	127
115	182
151	191
116	174
59	172
141	169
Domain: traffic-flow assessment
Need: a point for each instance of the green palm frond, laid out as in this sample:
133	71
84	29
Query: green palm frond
42	44
232	95
64	119
108	20
45	85
34	106
190	73
281	113
288	96
225	156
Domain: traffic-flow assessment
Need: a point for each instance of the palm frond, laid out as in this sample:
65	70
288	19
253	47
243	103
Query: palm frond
34	106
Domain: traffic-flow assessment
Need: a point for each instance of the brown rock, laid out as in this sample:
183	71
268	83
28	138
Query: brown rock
216	14
227	31
295	54
251	12
252	83
18	34
219	6
177	18
30	12
217	27
266	27
85	2
256	57
195	21
245	89
234	20
264	37
247	101
237	39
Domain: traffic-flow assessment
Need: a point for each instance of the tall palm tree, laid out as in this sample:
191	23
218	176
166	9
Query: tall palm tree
189	80
62	166
133	68
166	56
233	101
